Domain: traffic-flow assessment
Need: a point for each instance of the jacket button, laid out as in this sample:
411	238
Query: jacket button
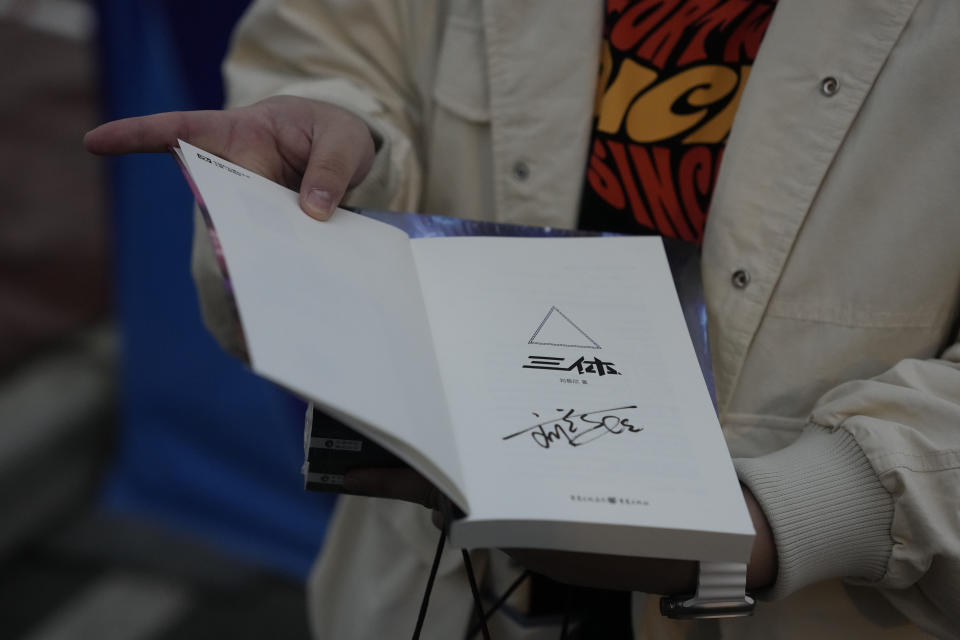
829	86
521	170
740	278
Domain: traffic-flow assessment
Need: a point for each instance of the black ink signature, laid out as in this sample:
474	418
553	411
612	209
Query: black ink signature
576	429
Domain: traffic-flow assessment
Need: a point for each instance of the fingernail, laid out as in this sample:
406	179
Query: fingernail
319	203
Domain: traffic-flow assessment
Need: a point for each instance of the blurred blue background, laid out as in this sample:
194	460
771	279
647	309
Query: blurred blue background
150	485
204	445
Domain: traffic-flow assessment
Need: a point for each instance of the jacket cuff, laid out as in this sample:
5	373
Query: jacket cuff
828	512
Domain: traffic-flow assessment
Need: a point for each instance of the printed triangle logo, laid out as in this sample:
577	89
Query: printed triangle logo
557	330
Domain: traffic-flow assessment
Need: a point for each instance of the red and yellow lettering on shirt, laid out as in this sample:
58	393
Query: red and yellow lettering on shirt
671	76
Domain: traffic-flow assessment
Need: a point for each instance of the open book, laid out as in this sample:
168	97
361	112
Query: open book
548	386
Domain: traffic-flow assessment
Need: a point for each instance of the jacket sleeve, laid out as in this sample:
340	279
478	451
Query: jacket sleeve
871	490
361	56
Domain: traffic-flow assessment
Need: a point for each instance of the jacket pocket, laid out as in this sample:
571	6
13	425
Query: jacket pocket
461	85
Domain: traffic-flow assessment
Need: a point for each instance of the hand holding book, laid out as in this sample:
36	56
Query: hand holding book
626	573
547	387
317	148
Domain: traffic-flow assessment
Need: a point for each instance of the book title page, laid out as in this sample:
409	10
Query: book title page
573	386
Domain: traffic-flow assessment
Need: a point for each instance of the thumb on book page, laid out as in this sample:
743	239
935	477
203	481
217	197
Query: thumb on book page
341	154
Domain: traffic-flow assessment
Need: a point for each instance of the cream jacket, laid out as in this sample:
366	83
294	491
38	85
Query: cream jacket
837	367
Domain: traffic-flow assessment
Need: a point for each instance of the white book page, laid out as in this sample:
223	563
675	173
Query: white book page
574	389
333	311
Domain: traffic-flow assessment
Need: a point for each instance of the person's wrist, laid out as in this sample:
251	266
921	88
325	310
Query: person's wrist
762	569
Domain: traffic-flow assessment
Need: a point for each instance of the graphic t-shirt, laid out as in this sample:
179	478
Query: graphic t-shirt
671	76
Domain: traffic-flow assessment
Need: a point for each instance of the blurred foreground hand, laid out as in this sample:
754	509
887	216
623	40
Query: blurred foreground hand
315	148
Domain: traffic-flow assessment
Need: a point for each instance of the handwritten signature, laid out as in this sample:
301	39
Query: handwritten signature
577	429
